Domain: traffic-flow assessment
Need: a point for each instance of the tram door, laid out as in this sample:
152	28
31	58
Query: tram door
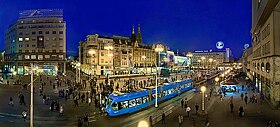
150	96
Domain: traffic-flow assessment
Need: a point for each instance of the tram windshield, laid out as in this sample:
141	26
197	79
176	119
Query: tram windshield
109	102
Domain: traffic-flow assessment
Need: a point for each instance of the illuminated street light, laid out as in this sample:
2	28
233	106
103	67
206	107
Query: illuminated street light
203	89
217	79
143	124
159	48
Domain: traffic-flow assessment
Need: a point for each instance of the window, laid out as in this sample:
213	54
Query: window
267	66
40	38
33	56
33	39
27	51
258	66
60	57
20	33
20	39
47	32
138	101
19	51
40	32
26	56
27	45
33	45
60	50
20	57
47	56
54	38
47	38
33	32
60	38
102	53
54	51
27	33
115	106
132	103
60	32
27	39
54	32
262	67
124	104
102	60
40	57
33	51
145	99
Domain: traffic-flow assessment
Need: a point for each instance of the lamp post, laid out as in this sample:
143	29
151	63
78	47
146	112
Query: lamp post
203	89
159	48
91	53
31	96
144	57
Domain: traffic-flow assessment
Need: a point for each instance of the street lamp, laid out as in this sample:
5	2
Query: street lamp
143	124
203	89
144	57
158	49
91	53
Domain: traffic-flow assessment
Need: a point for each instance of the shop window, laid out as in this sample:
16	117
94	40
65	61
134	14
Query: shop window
33	56
26	56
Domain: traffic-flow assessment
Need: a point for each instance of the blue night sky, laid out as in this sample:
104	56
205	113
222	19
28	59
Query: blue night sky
186	25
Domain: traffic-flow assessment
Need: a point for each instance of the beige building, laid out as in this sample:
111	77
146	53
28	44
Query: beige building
265	60
96	55
38	37
100	55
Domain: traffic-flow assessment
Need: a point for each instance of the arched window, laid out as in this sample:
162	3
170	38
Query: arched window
262	67
267	66
258	66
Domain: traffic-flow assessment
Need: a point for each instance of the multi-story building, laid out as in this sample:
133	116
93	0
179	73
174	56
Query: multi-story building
265	67
144	56
38	37
209	58
96	55
115	55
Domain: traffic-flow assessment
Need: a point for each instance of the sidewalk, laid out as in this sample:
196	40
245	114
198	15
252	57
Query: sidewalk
219	115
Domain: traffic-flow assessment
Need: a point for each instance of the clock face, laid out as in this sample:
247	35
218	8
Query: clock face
220	45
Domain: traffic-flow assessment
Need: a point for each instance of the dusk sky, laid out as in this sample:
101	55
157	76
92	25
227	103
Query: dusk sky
186	25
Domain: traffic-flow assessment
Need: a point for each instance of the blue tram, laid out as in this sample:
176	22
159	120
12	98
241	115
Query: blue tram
123	103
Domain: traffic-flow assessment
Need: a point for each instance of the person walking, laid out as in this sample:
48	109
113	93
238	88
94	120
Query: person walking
241	111
180	120
207	123
163	118
86	119
61	111
231	107
188	110
151	121
246	99
196	108
11	101
193	122
24	115
242	96
182	103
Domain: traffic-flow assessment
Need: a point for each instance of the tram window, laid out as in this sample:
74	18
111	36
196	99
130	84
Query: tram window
115	106
132	103
124	104
138	101
165	93
145	99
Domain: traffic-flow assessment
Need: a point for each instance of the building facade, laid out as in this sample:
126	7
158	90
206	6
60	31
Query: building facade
37	37
100	55
265	61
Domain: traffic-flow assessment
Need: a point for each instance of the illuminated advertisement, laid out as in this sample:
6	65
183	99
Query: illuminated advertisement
181	61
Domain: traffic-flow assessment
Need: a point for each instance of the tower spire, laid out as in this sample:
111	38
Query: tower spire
133	29
139	29
139	37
